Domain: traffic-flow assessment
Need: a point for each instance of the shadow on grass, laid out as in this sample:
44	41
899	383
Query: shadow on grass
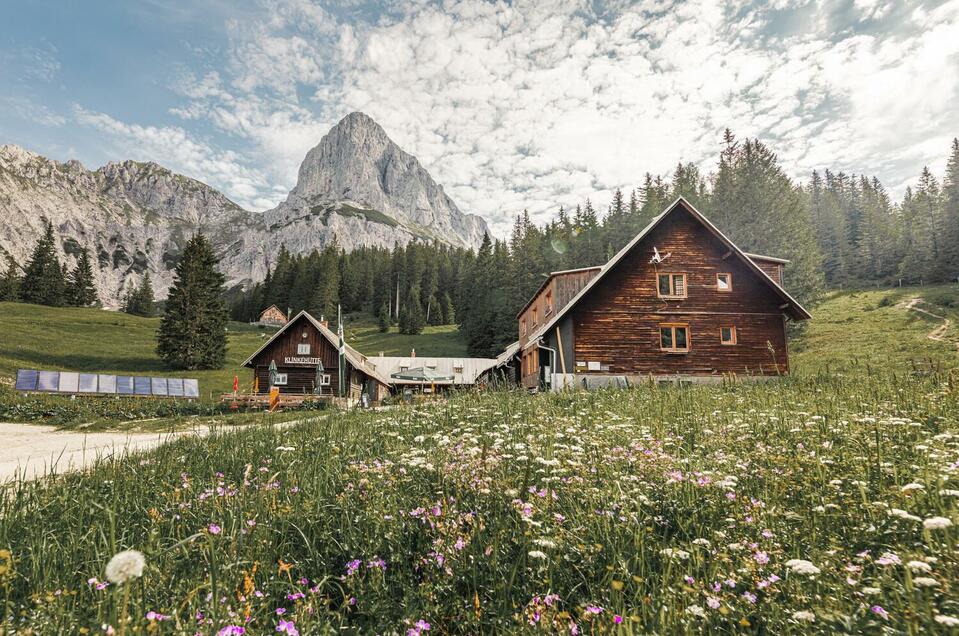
84	362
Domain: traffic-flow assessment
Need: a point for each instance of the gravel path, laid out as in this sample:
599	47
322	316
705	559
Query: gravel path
30	450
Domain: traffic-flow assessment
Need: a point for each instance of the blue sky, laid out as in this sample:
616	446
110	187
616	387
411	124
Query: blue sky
509	105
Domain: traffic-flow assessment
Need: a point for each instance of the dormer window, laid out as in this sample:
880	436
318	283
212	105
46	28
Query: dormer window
671	285
724	281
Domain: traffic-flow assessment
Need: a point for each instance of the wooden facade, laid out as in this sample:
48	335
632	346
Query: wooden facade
554	294
707	309
272	315
298	347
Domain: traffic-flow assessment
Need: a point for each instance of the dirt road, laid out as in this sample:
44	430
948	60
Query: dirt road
30	450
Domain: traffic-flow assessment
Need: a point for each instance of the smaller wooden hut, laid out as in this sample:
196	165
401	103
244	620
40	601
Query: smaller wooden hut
272	316
305	357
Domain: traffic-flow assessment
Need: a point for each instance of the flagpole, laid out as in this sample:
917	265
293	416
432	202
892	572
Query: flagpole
341	359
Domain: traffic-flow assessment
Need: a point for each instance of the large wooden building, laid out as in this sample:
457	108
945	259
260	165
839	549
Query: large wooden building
298	350
679	301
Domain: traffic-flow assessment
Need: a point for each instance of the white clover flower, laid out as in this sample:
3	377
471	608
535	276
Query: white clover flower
801	566
536	554
548	543
936	523
902	514
125	566
696	610
919	566
871	590
682	555
913	486
925	581
804	615
948	621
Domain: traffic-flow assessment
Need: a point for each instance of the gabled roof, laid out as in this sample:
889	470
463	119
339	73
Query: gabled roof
357	359
797	311
550	277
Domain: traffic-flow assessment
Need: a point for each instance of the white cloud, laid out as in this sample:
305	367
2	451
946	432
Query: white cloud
178	150
537	104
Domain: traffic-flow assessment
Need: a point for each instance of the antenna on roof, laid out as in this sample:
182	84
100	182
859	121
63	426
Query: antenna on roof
657	257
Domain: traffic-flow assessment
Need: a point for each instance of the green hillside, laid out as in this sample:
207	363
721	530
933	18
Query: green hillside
111	342
879	329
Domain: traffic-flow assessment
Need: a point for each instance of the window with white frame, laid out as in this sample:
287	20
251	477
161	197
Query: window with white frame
303	349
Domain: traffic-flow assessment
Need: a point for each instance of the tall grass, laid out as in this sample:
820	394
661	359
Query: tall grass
622	512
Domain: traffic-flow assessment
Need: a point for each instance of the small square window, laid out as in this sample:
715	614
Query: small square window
280	379
671	285
303	349
325	379
674	338
724	281
457	369
727	335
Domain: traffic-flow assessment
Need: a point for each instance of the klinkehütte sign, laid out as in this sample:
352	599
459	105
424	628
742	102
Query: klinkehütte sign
304	361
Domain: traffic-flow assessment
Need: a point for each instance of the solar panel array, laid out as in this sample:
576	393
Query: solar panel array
101	384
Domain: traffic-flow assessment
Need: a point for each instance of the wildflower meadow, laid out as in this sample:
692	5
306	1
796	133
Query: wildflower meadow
804	505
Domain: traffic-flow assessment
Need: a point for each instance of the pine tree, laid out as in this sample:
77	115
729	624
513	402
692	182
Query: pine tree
383	317
948	266
43	281
192	332
412	317
138	299
10	282
449	312
81	290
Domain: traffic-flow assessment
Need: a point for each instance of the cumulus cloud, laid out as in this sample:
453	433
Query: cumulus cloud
537	104
178	150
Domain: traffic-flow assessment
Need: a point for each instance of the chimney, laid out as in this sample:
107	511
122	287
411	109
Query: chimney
324	321
413	353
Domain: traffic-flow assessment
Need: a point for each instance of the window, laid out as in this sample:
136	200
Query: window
303	349
522	326
727	335
671	286
280	380
535	316
325	379
549	302
674	338
724	281
457	369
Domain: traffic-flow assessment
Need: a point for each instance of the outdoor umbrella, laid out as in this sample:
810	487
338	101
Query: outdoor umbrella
272	373
421	374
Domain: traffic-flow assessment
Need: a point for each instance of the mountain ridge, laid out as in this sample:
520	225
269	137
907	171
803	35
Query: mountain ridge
356	188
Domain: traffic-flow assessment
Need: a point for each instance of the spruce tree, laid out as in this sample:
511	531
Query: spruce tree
138	300
43	281
81	288
449	311
383	318
192	332
948	265
10	282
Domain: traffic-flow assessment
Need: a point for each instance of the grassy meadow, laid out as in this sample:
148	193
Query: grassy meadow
826	502
811	505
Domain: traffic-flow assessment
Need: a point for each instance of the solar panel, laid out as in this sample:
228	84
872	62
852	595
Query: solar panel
88	383
125	385
191	388
107	383
159	386
69	382
175	387
48	381
26	380
141	385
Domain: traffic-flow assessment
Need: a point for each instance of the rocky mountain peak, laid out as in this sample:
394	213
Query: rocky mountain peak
356	187
357	162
